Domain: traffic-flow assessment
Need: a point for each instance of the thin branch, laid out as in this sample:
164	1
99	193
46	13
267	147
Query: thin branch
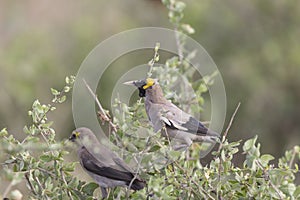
102	113
138	167
229	126
7	189
64	179
223	140
267	177
178	44
293	158
46	171
193	181
40	185
153	60
29	183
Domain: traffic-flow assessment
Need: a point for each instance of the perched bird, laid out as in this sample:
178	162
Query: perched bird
163	113
103	165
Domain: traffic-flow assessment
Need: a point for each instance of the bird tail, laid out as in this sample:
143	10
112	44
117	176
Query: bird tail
138	184
213	133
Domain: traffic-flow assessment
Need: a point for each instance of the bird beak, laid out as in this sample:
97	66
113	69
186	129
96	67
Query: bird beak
132	83
72	138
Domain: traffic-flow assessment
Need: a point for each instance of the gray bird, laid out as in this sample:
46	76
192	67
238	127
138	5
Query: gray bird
163	113
103	165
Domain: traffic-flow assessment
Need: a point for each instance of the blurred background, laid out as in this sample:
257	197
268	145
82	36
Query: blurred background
254	43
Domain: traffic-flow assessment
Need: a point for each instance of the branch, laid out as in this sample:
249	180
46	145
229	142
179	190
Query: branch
229	126
223	140
178	44
138	167
293	158
103	115
29	183
40	186
7	189
64	179
267	177
153	60
193	181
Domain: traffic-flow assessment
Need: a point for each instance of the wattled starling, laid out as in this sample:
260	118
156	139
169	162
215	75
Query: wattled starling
163	113
103	165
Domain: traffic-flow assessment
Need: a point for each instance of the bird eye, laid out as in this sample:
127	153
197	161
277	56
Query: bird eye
74	136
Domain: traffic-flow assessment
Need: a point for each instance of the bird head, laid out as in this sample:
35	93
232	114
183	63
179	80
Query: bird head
142	85
82	136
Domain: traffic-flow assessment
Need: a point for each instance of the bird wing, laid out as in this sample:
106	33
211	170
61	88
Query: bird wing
154	114
174	118
91	164
185	122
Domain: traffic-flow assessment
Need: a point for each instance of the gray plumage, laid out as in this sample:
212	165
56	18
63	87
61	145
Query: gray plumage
103	165
163	113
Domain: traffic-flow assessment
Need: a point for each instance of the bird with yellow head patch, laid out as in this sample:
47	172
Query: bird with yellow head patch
103	165
163	113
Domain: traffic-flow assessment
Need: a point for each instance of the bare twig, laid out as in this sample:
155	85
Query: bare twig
178	44
29	183
8	189
102	113
223	140
229	126
293	158
46	171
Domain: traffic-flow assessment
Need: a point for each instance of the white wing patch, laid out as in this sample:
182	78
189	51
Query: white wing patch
173	123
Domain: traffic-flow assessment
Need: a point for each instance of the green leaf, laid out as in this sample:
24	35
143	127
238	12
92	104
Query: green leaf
90	188
67	80
69	167
46	158
265	159
179	6
147	158
54	91
62	99
249	144
154	148
9	161
187	28
3	132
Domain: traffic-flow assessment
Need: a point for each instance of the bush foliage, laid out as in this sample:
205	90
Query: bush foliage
40	159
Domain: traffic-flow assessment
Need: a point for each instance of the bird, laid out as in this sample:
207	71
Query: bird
102	164
162	113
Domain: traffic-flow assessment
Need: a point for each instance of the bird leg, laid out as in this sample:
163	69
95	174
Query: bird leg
104	192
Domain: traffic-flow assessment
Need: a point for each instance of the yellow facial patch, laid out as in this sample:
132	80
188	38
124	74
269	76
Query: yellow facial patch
77	134
150	82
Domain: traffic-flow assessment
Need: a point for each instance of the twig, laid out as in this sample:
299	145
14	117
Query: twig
193	181
223	140
138	167
178	44
40	185
29	183
7	189
229	126
102	113
293	158
153	60
47	172
63	178
267	177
